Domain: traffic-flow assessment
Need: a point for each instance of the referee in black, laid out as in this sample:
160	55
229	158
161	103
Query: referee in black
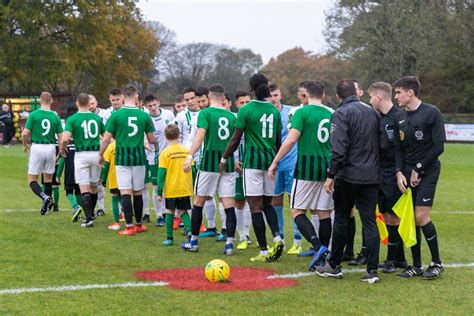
422	138
353	178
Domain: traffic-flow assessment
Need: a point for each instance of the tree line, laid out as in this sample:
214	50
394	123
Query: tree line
91	46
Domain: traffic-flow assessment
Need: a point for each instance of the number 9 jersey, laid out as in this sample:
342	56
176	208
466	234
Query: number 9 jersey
44	125
261	122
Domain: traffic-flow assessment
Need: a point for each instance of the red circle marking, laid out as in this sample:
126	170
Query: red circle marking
241	279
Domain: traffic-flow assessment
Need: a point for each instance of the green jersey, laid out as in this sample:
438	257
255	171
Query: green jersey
219	125
261	122
313	121
86	128
128	125
44	126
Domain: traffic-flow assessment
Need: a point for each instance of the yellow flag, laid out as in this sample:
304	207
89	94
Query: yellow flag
404	209
383	232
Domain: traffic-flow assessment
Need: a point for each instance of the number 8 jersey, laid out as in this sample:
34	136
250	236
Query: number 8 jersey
86	128
44	125
219	125
261	122
129	126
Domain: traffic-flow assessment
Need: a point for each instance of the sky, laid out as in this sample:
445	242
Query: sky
266	27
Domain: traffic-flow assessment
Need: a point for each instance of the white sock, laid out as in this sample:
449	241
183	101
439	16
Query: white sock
315	220
210	209
247	219
297	242
239	214
146	200
100	197
157	205
223	216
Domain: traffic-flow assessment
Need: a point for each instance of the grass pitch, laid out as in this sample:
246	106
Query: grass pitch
50	251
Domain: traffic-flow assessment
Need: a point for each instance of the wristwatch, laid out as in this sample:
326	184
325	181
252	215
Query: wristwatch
418	167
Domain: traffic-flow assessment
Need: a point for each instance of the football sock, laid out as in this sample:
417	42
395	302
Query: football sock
157	204
56	196
325	231
393	242
280	218
100	197
138	208
78	199
297	234
127	208
259	228
94	197
247	219
48	189
429	231
37	190
351	230
223	217
146	200
196	219
169	218
231	222
315	220
416	249
239	217
307	230
115	207
210	208
272	219
87	205
400	254
186	221
71	198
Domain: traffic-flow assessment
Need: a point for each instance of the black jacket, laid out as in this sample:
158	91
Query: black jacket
355	143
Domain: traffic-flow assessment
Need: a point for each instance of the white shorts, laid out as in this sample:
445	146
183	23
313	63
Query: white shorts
210	183
310	195
257	183
86	167
42	159
130	177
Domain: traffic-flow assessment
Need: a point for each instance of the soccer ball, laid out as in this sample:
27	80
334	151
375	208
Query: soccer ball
217	271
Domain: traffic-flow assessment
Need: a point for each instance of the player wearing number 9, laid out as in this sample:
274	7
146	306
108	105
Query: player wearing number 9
42	127
85	128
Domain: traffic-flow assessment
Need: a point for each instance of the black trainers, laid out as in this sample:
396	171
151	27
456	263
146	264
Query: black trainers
87	224
433	271
327	271
358	261
410	272
146	218
387	266
100	212
370	277
46	205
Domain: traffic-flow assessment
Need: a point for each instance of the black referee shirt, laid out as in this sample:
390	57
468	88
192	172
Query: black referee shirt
422	137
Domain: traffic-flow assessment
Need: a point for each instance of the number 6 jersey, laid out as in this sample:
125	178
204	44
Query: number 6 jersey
129	126
219	125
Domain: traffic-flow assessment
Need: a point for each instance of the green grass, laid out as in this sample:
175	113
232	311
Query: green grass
45	251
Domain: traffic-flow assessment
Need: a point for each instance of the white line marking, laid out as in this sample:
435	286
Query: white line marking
81	287
305	274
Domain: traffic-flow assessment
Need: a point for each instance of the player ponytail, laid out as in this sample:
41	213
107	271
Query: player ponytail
259	87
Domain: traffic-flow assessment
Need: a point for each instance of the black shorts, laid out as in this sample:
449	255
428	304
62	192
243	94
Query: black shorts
388	193
69	179
181	203
424	193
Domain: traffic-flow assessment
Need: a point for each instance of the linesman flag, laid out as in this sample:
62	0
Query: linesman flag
404	210
383	232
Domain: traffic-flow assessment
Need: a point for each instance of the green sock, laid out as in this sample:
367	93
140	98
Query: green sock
78	199
115	207
56	196
72	200
186	221
169	218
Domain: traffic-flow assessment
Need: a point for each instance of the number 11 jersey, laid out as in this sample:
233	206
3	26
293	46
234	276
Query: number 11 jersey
261	123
